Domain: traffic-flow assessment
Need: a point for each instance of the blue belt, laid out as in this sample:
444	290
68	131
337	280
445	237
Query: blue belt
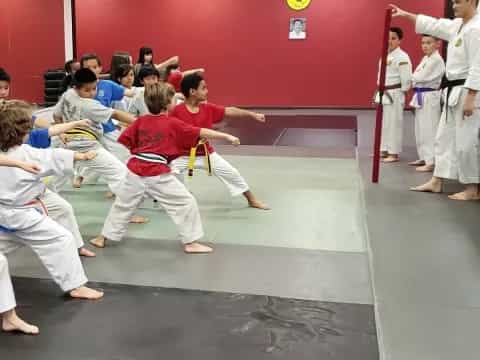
419	91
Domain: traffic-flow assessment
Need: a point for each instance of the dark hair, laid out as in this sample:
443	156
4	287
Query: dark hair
144	51
190	82
168	71
84	76
158	96
148	70
121	72
4	76
118	58
68	66
90	56
15	123
397	31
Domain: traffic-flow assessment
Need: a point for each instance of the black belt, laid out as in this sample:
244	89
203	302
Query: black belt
449	85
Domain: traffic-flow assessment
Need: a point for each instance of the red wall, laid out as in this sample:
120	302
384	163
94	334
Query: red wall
244	44
31	41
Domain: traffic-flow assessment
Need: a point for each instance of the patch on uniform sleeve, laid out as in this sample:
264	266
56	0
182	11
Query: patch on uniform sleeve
403	63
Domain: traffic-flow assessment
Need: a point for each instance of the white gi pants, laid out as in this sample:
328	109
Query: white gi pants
110	143
221	168
62	212
457	143
105	164
170	193
52	243
7	297
426	125
392	129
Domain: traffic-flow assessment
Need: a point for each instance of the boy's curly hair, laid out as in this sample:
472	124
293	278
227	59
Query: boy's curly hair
15	123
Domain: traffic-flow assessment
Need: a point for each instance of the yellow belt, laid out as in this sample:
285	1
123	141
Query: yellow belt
80	133
193	155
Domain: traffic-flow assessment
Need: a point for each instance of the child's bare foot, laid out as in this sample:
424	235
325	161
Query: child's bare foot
197	248
425	168
137	219
77	182
86	253
99	241
433	186
469	194
109	195
11	322
84	292
417	163
391	159
258	205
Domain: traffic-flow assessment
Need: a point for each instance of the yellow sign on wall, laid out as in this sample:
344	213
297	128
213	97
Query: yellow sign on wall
298	4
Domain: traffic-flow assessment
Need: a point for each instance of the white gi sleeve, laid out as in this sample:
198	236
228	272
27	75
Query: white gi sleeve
434	69
473	53
443	29
51	161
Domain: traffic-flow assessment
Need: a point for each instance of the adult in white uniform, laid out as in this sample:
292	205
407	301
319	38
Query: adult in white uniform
427	79
397	83
457	144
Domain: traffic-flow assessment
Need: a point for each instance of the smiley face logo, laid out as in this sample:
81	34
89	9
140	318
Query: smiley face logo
298	4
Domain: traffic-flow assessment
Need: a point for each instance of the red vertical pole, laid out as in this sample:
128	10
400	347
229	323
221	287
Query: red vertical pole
381	89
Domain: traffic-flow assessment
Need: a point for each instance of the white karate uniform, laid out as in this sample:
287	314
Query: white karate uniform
427	104
7	296
137	106
457	142
23	220
170	193
399	71
71	107
221	168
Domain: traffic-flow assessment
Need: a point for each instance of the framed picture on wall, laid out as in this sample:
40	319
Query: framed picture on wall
297	29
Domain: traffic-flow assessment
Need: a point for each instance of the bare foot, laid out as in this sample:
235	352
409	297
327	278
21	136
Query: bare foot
433	186
137	219
99	241
197	248
86	253
465	196
258	205
77	182
425	168
391	159
417	163
11	322
84	292
109	195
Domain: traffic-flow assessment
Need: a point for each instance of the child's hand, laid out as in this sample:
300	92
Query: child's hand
260	117
63	138
30	167
84	123
233	140
89	155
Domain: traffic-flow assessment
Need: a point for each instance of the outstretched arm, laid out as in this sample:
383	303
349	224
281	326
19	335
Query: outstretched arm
397	12
236	112
212	134
27	166
59	129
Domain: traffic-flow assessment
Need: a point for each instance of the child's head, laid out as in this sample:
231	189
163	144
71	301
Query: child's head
15	123
85	83
124	75
119	58
148	75
4	84
71	66
159	97
194	86
92	62
395	39
145	55
430	44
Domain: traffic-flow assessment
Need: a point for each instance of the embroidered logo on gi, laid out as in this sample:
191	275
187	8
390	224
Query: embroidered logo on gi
389	62
459	42
298	4
101	93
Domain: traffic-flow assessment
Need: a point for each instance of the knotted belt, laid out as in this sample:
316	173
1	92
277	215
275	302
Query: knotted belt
193	155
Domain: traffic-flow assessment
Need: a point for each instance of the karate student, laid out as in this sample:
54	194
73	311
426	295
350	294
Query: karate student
148	75
8	316
4	84
457	143
107	93
426	85
23	218
397	83
197	112
153	140
57	207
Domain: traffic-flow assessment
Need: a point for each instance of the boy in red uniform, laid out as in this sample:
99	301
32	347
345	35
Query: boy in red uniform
196	112
153	140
